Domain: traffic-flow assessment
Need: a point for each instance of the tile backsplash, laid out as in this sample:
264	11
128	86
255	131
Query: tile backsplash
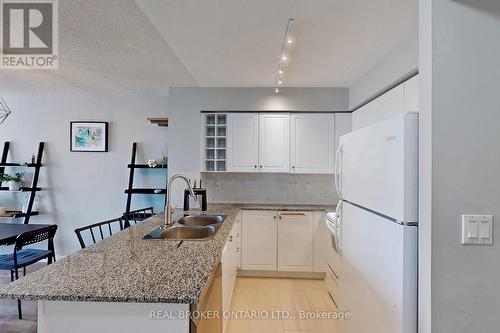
270	188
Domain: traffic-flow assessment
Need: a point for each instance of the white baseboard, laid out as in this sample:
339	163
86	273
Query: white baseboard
280	274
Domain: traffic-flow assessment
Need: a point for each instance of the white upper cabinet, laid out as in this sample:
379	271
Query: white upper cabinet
274	142
301	143
400	99
243	142
386	106
312	143
411	94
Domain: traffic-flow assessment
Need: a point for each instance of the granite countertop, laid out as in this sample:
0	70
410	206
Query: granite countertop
285	207
127	268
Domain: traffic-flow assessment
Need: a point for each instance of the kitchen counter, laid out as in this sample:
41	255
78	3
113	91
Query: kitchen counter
286	207
127	268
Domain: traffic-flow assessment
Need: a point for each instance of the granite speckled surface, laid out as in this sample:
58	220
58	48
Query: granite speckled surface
127	268
286	207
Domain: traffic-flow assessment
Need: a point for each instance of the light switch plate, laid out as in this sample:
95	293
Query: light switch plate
477	229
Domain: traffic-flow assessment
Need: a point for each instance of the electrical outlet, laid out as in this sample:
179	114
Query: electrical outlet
477	229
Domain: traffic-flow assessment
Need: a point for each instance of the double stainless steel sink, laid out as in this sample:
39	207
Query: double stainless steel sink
191	227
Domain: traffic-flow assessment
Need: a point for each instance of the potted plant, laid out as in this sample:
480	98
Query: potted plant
13	181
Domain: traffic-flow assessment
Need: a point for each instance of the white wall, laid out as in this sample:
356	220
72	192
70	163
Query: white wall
185	105
462	98
400	63
83	188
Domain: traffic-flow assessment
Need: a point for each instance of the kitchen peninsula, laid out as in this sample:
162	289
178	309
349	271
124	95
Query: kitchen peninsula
128	284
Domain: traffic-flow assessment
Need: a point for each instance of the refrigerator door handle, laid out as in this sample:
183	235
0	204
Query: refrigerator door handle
338	170
338	229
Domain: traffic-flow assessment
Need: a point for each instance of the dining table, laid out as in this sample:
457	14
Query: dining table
10	231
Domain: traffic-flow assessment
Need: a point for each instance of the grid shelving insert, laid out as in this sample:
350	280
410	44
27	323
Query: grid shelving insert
215	142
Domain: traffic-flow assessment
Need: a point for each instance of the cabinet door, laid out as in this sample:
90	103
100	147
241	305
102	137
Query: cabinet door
320	245
343	125
295	241
386	106
237	243
259	241
411	95
312	143
243	142
227	289
274	142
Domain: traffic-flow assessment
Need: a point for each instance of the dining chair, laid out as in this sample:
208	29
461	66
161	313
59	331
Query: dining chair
21	257
96	232
136	216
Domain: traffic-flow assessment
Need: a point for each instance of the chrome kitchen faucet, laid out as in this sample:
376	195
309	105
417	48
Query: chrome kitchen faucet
168	208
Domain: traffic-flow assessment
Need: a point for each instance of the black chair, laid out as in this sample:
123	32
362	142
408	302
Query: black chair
99	231
137	216
21	258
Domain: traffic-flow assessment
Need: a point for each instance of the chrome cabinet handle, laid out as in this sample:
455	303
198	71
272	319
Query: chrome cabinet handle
280	217
274	217
237	250
231	238
293	214
261	166
237	235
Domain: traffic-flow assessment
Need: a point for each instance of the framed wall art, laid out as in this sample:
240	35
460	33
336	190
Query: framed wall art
89	136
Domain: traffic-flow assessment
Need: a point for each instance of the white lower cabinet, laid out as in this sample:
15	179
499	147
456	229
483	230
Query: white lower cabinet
231	261
282	241
226	280
295	241
237	244
260	240
320	242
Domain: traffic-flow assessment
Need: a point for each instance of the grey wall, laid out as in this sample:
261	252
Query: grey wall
82	188
462	75
400	63
185	105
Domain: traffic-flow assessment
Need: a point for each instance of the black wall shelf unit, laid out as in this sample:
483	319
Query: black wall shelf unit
32	190
131	190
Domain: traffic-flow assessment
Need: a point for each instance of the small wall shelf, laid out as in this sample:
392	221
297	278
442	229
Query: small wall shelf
162	122
17	214
145	166
26	165
22	189
131	190
32	190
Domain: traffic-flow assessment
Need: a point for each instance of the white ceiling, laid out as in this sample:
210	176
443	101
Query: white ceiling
147	46
238	42
105	47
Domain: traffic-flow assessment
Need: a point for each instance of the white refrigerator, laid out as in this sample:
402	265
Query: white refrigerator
377	227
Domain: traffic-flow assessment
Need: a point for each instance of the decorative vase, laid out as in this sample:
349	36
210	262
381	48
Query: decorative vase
14	186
